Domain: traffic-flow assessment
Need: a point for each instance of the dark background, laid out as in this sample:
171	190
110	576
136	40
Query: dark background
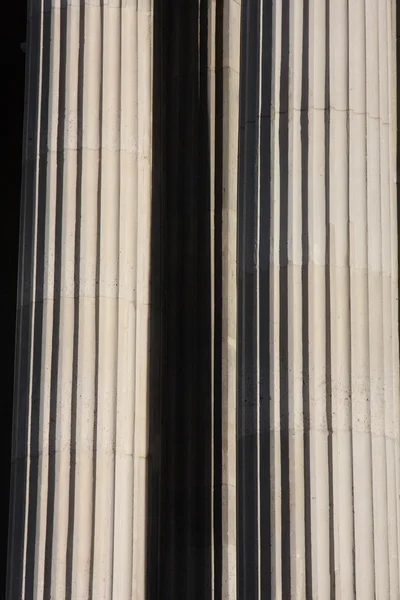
12	34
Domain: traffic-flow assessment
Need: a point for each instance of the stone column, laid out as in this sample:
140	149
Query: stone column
77	524
318	420
273	406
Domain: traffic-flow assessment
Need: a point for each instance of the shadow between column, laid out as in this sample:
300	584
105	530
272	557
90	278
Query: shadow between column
12	64
179	558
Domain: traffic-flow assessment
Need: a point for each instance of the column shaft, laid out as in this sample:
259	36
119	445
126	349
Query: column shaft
80	432
318	326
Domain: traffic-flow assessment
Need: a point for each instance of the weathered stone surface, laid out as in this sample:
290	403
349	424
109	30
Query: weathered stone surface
207	369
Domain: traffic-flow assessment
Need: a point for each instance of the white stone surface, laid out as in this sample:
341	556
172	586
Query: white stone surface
333	337
309	302
83	305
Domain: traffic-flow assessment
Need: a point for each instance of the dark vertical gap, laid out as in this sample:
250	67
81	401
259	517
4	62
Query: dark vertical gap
218	198
202	421
179	480
169	577
175	296
328	342
55	342
188	80
247	525
36	457
264	334
304	136
12	61
349	288
75	356
284	300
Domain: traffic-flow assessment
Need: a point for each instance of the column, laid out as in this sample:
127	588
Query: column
77	521
318	395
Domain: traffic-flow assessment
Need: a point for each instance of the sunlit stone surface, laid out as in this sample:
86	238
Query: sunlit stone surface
206	393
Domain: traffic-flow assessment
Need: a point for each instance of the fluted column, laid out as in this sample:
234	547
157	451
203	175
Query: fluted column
77	525
207	364
318	420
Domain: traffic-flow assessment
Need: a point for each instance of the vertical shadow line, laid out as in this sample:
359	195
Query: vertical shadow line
77	274
56	312
264	335
328	317
284	301
217	460
304	135
240	573
203	408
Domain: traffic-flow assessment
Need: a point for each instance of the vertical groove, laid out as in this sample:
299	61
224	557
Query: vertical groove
265	304
215	91
360	359
282	110
257	235
60	227
274	347
307	159
328	312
